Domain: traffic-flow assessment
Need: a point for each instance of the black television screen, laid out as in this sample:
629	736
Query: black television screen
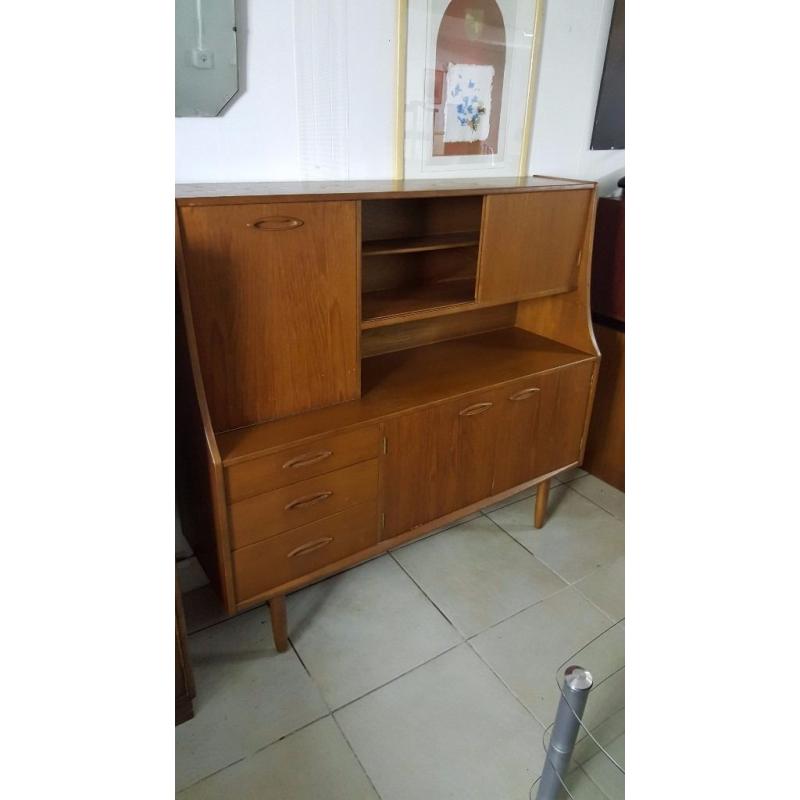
609	118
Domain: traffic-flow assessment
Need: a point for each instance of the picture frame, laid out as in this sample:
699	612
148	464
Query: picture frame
466	74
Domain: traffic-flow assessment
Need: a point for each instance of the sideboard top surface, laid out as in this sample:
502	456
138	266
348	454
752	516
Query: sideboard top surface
399	382
188	194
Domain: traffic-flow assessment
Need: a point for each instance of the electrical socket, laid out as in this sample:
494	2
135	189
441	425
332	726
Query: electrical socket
203	59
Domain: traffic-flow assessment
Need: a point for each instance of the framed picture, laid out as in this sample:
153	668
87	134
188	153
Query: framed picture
466	73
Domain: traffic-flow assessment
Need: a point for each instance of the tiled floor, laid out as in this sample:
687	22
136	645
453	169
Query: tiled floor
428	672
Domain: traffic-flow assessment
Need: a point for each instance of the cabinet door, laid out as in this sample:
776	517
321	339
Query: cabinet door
531	243
274	294
439	460
478	426
420	470
562	416
516	441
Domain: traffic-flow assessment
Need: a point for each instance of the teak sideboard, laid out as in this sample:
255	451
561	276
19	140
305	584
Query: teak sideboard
362	362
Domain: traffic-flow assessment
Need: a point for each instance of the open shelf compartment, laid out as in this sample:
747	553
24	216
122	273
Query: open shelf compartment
418	255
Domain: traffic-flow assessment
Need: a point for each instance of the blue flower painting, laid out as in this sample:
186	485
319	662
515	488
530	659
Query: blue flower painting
469	102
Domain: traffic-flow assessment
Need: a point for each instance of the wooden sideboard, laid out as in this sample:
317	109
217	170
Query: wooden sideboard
360	363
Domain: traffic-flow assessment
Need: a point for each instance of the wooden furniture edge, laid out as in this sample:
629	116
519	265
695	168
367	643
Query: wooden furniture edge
455	308
440	190
359	312
588	248
567	317
386	545
216	473
231	460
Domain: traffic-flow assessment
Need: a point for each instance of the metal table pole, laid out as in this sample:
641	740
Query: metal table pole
577	682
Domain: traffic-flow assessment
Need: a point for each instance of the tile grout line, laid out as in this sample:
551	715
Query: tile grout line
569	585
336	710
591	602
355	755
291	733
211	775
517	613
259	750
505	685
430	600
468	637
329	713
556	572
594	502
532	555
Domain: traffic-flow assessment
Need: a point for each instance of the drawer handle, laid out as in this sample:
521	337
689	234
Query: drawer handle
305	502
276	224
310	547
307	459
478	408
524	394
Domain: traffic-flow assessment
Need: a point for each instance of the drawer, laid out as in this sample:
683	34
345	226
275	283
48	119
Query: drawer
265	565
304	461
289	507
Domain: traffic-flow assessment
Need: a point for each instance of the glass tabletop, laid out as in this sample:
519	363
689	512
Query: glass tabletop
596	769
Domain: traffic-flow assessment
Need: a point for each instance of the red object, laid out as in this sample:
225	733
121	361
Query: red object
608	260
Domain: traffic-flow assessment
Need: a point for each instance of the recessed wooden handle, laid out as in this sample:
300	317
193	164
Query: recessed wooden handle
478	408
276	224
310	547
307	458
524	394
309	500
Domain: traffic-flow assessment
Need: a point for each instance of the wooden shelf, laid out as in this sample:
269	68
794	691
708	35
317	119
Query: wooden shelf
420	244
394	383
389	306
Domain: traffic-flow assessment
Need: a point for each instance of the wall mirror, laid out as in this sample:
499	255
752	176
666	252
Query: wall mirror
206	69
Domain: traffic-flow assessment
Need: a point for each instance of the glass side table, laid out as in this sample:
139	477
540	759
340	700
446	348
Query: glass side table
585	744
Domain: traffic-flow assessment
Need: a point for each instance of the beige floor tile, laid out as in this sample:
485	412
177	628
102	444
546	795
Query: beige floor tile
603	772
605	587
509	500
605	495
248	696
467	518
579	785
359	630
527	650
603	733
577	536
449	729
571	474
311	764
477	575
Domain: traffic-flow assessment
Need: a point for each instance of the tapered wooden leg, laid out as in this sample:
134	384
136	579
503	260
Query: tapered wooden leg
542	493
277	613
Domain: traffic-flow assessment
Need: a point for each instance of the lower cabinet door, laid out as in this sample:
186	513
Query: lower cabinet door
562	416
438	460
449	456
420	471
515	455
479	420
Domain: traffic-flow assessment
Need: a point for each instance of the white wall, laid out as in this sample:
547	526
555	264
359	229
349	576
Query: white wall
324	108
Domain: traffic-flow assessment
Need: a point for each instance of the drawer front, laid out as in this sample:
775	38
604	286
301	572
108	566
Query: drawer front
298	463
289	507
265	565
